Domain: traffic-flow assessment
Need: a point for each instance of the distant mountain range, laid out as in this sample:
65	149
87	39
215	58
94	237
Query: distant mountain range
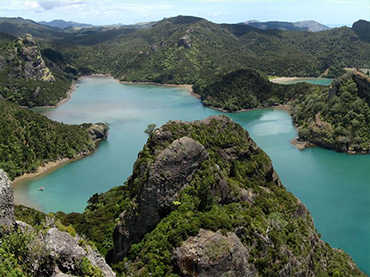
59	23
308	25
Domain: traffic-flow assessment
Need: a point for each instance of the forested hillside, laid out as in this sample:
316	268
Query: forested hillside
338	118
28	140
247	89
189	50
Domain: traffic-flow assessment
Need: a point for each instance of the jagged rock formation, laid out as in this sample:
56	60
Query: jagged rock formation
204	200
6	202
167	176
28	62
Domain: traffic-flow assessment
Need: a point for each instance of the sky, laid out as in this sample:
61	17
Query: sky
104	12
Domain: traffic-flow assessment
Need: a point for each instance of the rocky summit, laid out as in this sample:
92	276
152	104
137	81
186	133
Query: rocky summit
204	200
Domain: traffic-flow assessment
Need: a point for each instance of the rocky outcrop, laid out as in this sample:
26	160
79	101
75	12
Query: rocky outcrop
28	63
213	254
7	219
98	131
68	254
184	41
167	177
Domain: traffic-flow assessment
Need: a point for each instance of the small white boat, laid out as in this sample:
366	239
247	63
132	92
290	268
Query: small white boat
41	188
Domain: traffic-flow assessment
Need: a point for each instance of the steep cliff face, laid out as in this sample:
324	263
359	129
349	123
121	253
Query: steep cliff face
26	62
204	200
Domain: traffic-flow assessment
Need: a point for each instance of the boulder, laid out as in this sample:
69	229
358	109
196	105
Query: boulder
68	254
213	254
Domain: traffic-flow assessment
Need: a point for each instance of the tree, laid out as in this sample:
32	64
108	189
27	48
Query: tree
150	129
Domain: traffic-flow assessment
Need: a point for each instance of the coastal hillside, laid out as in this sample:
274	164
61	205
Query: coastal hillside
337	118
247	89
28	140
204	199
31	77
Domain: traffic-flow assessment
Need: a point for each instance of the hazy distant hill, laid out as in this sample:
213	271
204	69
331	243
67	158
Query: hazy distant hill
59	23
308	25
312	25
18	26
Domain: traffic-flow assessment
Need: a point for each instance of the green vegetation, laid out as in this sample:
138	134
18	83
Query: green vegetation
271	216
191	50
337	120
247	89
25	254
25	77
28	140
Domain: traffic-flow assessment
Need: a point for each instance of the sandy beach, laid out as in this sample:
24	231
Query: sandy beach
284	80
47	168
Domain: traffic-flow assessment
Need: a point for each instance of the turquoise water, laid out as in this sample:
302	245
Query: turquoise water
316	81
335	187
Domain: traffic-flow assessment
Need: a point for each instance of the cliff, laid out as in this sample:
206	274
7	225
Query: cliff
30	76
26	62
26	251
203	199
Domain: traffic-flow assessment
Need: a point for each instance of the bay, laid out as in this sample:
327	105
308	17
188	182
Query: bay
335	187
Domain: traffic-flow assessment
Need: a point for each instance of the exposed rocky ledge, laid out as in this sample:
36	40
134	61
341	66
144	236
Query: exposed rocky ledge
98	131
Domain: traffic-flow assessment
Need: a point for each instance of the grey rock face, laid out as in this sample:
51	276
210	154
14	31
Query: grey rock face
213	254
64	249
98	132
26	62
6	201
184	41
167	176
66	252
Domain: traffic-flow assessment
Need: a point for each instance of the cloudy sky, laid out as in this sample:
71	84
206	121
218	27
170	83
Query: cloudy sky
101	12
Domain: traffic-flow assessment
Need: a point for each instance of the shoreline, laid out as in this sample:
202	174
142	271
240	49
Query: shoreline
301	145
47	168
188	87
278	107
284	80
71	90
